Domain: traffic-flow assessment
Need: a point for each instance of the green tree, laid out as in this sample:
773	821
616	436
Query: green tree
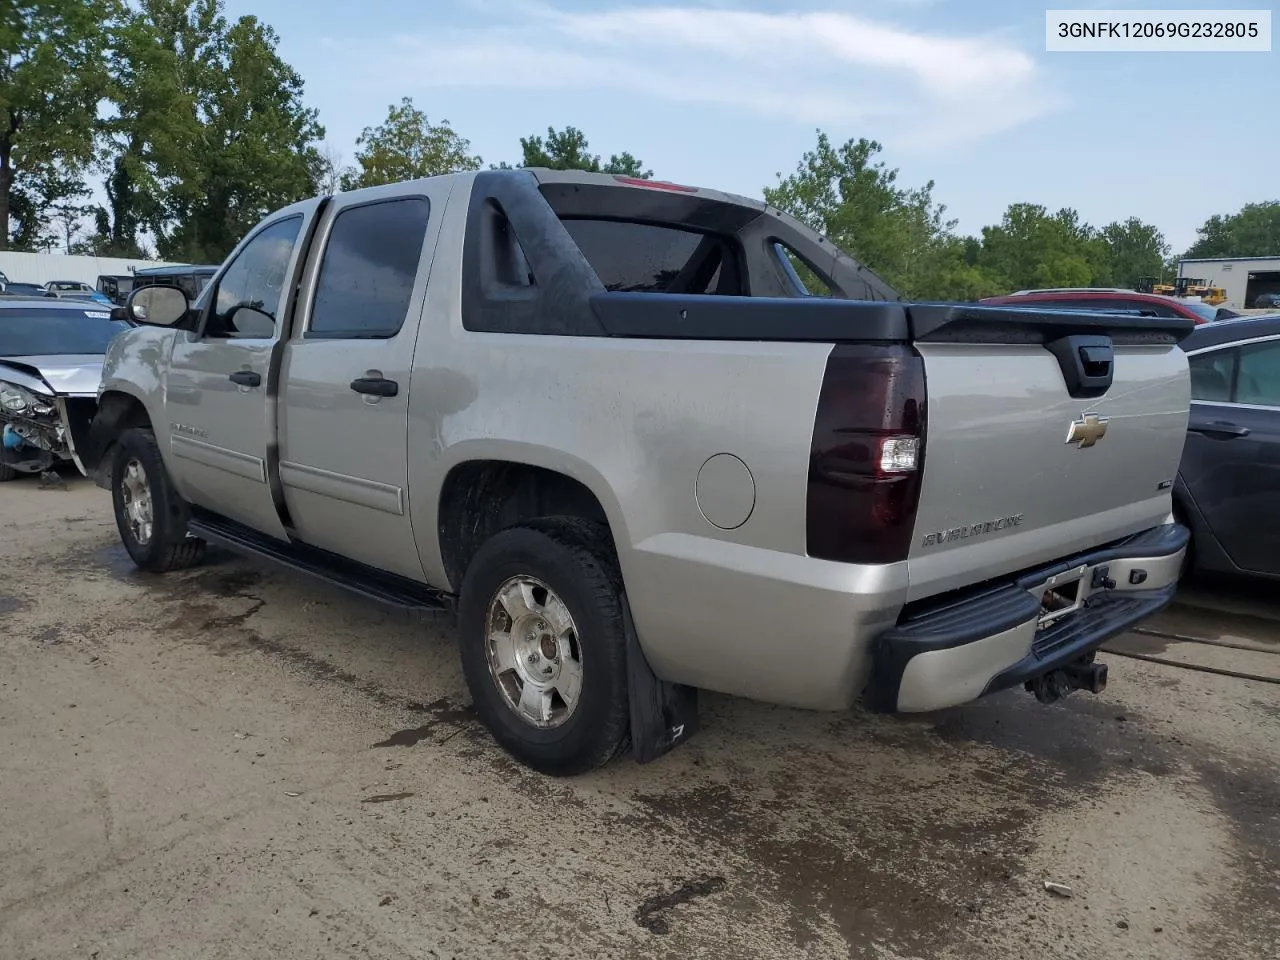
407	146
162	52
52	76
1032	248
209	131
902	234
1134	250
1252	232
568	149
255	145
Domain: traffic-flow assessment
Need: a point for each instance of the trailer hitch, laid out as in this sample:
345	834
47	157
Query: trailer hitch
1082	674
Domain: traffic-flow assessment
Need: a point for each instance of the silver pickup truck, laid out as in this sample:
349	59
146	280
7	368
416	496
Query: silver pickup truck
615	425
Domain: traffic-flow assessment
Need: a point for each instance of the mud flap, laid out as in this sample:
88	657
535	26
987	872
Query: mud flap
663	715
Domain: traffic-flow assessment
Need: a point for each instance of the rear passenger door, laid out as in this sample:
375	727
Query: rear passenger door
345	380
1231	463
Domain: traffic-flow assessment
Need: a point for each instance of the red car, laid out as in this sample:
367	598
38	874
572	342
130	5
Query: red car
1115	301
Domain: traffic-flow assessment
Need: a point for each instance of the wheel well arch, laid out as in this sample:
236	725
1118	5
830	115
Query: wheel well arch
482	497
117	412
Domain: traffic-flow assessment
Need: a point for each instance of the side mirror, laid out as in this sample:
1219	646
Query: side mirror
158	306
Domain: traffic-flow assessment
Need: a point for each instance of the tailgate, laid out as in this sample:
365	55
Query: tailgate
1047	433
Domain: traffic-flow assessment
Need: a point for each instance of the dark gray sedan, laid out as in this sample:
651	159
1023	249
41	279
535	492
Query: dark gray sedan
1228	485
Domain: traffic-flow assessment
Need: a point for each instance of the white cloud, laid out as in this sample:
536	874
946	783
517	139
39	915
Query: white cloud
819	68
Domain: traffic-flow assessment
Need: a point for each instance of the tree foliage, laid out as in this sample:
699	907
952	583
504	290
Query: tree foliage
903	234
52	75
1252	232
407	146
1134	250
568	149
208	135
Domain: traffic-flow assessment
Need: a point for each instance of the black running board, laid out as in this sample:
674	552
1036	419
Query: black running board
388	589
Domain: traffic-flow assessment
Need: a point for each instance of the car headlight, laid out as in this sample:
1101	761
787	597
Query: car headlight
14	399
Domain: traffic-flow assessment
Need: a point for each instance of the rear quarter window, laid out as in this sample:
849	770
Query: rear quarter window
634	257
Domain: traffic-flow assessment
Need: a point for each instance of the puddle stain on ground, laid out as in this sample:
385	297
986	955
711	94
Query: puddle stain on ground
49	635
10	604
443	712
387	797
654	913
1248	794
1214	624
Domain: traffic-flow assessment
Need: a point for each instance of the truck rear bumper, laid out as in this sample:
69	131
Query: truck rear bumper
953	649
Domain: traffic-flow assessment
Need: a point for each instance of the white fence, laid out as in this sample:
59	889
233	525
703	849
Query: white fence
42	267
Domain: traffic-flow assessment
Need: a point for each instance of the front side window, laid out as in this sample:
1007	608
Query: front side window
1258	379
369	268
251	289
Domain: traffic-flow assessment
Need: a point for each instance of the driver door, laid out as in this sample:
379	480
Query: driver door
220	394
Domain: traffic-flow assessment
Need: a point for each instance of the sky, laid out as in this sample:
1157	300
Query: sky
730	93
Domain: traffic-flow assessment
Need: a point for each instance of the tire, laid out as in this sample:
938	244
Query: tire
563	558
136	470
7	472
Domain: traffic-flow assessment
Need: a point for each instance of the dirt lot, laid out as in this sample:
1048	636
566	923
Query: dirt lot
234	762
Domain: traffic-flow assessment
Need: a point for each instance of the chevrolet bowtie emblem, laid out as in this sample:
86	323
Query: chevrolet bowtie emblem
1088	430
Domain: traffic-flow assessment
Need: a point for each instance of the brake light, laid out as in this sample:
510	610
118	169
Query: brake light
655	184
866	455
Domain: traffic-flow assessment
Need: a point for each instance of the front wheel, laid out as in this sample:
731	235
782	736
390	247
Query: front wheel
151	517
543	644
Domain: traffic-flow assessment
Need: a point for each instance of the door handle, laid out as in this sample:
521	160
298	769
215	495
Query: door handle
246	378
375	386
1221	429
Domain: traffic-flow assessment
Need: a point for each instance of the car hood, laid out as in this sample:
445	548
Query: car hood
72	375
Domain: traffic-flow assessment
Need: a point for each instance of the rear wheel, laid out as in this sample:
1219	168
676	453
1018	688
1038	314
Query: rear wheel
543	644
151	517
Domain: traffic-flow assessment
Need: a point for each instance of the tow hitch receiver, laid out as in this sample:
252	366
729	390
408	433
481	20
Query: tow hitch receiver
1082	674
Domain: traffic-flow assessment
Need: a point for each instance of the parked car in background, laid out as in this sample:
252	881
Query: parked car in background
1228	486
529	390
13	289
76	290
1115	300
115	287
68	286
50	363
1267	301
190	279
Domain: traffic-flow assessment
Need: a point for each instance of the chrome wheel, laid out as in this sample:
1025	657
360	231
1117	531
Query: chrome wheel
533	652
135	494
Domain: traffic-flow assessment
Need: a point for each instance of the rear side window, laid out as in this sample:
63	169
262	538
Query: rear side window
634	257
1211	376
369	268
1258	379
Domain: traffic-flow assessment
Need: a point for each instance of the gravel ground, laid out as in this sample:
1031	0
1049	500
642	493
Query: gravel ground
236	762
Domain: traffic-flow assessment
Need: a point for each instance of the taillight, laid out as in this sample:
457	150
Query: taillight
866	456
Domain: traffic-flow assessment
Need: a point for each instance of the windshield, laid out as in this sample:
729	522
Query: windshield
35	333
1202	309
